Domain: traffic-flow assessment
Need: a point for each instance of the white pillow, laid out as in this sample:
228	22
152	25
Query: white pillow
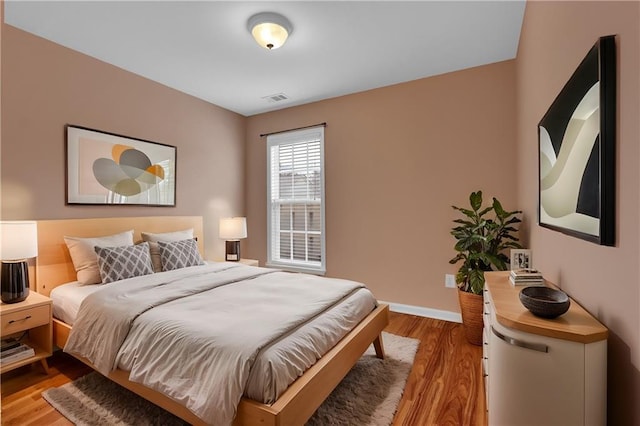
84	258
153	239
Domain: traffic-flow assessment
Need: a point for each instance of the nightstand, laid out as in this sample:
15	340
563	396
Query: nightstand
248	262
33	316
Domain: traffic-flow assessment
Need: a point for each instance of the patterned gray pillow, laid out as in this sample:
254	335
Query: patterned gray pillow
179	254
119	263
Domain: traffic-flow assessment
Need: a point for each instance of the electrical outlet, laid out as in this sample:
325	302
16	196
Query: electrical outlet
449	281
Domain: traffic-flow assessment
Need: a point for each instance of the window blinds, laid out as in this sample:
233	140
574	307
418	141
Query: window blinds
296	192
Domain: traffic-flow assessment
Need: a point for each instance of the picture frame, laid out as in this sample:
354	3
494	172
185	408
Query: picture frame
577	140
109	169
521	259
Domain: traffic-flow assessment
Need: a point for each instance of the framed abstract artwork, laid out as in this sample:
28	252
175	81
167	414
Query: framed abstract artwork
105	168
577	140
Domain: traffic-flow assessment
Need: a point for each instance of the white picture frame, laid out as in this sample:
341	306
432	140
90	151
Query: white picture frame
521	259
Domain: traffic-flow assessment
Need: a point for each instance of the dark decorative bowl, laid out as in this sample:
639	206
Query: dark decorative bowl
544	302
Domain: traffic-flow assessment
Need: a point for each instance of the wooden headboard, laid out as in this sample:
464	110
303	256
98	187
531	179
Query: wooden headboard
53	264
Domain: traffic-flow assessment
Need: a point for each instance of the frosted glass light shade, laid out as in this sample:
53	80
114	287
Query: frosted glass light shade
18	240
270	30
233	228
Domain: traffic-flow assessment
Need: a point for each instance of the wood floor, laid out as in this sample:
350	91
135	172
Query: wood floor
444	388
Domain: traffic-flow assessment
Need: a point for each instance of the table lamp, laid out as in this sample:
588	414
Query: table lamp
233	229
18	242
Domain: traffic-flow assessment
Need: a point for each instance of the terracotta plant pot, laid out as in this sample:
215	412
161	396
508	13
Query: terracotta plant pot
471	307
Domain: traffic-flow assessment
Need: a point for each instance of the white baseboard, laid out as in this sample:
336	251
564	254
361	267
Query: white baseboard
424	312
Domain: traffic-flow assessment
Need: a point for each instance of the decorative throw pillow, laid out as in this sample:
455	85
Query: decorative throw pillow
84	258
153	239
119	263
179	254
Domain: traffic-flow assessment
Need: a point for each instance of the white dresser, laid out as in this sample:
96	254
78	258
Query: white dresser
539	371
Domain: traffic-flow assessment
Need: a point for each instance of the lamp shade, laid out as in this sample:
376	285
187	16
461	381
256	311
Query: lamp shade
18	240
270	30
233	228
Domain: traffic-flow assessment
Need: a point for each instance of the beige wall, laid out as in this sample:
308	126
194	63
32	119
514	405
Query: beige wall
605	280
396	159
1	38
46	86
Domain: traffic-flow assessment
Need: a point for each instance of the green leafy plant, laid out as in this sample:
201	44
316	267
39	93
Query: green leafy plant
482	237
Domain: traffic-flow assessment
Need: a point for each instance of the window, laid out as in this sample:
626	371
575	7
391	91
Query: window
295	191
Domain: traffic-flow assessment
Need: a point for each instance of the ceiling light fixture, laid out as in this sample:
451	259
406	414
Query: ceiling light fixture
269	29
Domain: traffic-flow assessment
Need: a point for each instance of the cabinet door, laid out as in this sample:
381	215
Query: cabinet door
535	380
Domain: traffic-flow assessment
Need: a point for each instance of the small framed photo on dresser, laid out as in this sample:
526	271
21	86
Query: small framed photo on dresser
521	259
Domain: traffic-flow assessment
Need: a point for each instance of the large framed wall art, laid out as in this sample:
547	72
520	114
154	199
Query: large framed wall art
577	151
105	168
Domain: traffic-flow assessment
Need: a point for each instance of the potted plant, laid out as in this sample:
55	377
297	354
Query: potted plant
482	237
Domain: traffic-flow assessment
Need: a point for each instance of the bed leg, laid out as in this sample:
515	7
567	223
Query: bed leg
379	347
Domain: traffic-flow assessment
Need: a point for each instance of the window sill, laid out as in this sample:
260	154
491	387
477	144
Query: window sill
295	268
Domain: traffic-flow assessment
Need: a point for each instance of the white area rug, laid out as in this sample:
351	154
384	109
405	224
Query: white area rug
368	395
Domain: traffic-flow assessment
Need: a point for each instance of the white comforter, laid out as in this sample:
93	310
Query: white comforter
199	356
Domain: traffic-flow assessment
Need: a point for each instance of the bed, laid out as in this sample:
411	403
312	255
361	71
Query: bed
299	400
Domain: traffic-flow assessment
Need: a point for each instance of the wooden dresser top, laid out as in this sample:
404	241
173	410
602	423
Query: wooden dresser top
576	324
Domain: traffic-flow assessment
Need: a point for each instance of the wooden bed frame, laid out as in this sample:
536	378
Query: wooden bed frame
294	407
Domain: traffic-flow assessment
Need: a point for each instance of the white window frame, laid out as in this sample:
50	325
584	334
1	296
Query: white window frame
292	264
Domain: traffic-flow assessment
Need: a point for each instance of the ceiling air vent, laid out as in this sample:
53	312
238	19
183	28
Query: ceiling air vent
275	98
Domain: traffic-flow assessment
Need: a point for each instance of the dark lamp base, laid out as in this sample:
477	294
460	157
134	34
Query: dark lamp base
232	251
14	281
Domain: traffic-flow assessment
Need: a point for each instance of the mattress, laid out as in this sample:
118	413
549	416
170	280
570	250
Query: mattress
278	364
67	299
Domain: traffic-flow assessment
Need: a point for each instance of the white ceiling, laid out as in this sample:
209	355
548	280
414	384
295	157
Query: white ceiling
204	48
